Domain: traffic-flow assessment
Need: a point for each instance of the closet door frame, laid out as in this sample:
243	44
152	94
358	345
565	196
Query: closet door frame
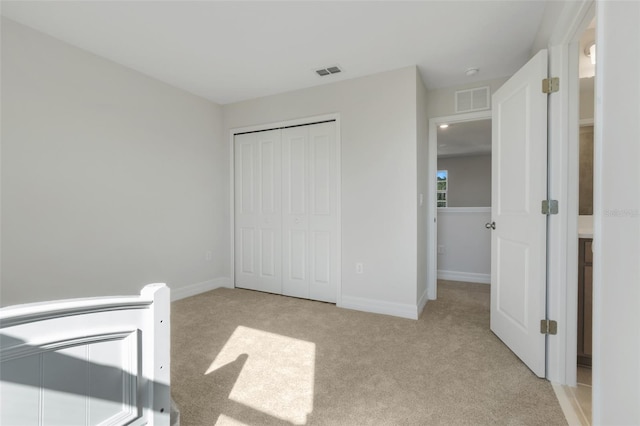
276	125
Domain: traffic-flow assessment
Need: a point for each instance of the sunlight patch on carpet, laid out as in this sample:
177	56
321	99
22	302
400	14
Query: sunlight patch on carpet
228	421
278	375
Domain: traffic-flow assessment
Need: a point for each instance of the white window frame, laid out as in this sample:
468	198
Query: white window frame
442	191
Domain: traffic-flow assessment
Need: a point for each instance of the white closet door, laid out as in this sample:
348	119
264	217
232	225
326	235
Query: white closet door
309	200
258	211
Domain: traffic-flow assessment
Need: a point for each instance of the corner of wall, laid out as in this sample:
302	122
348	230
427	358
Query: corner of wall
422	302
402	310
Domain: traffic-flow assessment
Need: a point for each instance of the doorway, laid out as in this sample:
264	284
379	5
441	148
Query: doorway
464	201
462	144
564	135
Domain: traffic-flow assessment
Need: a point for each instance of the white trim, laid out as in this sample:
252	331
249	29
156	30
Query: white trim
422	302
402	310
432	169
294	122
445	210
571	22
197	288
285	123
339	206
570	407
469	277
563	169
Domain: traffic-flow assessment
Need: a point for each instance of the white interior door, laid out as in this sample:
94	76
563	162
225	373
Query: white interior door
310	226
518	244
258	211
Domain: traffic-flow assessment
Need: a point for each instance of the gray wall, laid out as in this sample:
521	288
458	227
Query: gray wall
464	245
469	180
110	179
616	270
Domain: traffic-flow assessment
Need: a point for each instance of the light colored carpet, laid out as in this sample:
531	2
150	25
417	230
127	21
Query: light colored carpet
244	357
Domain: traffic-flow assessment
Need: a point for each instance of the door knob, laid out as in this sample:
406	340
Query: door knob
491	225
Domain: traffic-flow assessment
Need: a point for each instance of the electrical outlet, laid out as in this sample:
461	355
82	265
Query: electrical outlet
441	250
359	268
208	256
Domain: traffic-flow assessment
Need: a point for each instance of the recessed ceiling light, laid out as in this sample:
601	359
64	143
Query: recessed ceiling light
444	125
472	71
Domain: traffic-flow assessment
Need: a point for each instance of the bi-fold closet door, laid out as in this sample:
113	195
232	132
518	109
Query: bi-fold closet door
286	221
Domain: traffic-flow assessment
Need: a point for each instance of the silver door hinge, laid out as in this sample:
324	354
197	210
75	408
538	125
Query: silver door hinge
548	327
549	207
550	85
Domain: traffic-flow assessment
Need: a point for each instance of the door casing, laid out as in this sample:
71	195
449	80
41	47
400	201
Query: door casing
563	177
563	125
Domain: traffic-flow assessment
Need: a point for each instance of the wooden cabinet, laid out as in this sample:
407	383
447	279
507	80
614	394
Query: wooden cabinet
585	301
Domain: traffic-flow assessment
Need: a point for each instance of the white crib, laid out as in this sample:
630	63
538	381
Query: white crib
96	361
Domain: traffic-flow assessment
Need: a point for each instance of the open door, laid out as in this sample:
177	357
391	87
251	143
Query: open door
519	236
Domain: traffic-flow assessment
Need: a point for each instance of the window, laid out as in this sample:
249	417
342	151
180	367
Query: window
443	186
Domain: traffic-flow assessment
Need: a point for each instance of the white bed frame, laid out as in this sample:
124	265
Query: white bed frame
97	361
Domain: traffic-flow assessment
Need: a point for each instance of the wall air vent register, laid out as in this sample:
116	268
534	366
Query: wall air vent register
323	72
476	99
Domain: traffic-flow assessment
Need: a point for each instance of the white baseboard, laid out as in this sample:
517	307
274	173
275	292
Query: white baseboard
197	288
470	277
379	307
570	406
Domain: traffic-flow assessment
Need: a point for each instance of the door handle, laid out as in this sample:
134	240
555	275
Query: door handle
490	225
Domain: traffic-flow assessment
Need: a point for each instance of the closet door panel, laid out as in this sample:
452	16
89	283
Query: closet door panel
269	194
245	159
270	202
247	252
320	175
245	181
323	189
296	169
268	267
321	255
295	280
297	270
286	211
258	218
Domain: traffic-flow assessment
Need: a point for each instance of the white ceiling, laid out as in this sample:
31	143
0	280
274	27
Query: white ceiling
465	139
236	50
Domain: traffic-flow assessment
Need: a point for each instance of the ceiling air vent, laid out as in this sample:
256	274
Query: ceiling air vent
477	99
328	71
